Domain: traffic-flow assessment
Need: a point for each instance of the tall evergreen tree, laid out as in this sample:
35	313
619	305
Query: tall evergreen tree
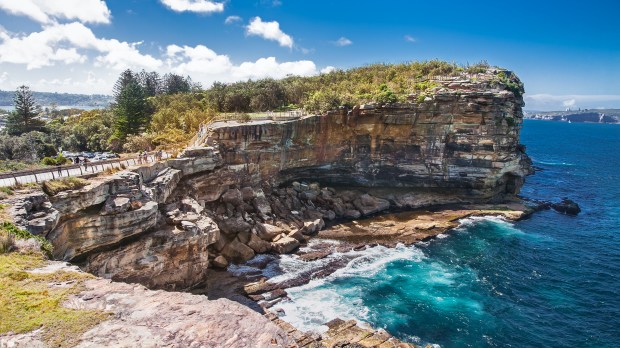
174	84
130	106
24	118
151	83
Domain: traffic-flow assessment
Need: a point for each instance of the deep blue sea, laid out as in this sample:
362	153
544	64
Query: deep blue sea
549	281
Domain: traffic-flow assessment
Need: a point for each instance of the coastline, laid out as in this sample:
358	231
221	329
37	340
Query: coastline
256	285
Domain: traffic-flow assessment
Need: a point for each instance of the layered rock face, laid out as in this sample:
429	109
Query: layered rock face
462	139
248	188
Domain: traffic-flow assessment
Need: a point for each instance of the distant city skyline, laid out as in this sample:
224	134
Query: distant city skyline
568	55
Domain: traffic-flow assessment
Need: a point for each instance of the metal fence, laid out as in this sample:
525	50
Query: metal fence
57	172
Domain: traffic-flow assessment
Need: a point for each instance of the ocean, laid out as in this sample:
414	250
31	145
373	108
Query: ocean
548	281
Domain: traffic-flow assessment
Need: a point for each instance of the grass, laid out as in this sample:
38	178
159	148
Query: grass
9	232
30	301
53	187
8	191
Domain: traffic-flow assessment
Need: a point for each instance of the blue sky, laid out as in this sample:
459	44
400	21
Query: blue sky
567	53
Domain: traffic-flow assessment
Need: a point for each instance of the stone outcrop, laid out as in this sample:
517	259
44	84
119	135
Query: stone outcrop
267	186
463	138
145	318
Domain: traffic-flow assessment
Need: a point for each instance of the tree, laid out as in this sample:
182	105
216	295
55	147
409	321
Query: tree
174	84
130	106
24	118
151	83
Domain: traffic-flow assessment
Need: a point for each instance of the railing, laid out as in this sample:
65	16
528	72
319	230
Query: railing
260	116
56	172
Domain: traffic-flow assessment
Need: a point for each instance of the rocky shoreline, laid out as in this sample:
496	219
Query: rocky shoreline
267	187
248	285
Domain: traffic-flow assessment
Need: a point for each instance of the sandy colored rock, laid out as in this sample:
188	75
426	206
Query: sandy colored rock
268	232
285	245
148	318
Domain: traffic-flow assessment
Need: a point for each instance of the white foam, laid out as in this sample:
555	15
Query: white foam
316	303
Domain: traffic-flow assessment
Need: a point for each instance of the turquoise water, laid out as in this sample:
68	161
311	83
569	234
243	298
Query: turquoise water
549	281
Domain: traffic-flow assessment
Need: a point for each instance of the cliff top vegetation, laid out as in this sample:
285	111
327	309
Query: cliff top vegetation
152	111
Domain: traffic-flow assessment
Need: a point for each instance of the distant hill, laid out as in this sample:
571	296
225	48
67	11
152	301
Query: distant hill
46	99
587	115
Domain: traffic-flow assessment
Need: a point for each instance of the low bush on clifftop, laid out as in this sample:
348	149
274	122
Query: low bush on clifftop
53	187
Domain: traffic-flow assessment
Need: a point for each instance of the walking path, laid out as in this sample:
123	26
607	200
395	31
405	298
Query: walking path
53	172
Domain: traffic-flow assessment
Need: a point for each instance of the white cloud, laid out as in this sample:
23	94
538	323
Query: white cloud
343	41
4	76
410	38
48	11
232	19
206	66
60	43
269	31
199	6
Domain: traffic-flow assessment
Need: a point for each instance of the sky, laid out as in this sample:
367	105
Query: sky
566	52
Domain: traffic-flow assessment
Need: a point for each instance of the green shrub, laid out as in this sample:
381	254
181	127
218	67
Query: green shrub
385	95
52	161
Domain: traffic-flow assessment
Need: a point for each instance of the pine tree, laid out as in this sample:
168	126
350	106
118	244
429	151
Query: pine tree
130	106
24	118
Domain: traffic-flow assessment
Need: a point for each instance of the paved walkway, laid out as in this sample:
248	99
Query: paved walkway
53	172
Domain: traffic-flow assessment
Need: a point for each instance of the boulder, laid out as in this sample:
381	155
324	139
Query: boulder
262	206
312	227
232	196
116	205
297	235
237	251
258	245
268	232
285	245
351	214
368	204
220	262
566	206
247	193
234	225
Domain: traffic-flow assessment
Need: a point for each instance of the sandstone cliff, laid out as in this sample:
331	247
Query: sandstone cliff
261	186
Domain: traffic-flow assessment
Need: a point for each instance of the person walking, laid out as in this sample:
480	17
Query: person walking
59	168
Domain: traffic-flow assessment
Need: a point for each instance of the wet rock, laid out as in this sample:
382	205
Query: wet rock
566	206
